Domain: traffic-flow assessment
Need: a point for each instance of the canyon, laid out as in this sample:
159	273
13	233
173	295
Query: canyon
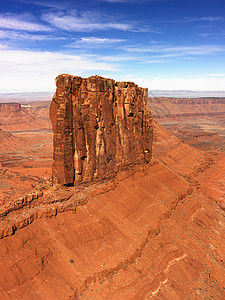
197	121
153	230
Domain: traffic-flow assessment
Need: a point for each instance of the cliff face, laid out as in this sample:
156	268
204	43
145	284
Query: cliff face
100	127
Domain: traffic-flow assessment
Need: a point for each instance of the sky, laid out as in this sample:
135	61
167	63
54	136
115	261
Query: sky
158	44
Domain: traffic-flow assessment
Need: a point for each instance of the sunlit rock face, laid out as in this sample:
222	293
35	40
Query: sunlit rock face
100	127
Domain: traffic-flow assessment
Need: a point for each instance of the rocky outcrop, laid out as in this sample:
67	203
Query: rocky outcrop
100	127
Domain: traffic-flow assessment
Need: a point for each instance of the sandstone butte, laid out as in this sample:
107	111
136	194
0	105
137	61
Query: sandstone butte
100	127
151	231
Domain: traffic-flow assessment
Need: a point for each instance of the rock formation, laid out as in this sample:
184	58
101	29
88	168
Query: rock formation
100	127
17	117
13	107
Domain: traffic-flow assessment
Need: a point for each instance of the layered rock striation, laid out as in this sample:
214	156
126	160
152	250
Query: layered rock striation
100	127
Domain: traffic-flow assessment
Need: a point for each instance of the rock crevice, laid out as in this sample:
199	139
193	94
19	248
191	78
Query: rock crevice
100	127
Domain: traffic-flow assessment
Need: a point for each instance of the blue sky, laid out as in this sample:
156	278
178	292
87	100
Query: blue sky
159	44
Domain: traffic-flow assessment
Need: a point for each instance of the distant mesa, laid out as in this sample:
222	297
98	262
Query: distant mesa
10	106
186	93
17	117
164	107
25	97
100	127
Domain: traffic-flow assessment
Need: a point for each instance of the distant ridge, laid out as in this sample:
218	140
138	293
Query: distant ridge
47	96
26	97
185	93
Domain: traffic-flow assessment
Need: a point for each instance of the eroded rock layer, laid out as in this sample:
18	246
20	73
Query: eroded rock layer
100	127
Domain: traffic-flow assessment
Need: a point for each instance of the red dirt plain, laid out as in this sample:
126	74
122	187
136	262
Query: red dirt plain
153	232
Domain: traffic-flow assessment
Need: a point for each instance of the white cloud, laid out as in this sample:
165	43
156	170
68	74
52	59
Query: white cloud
131	1
156	61
215	75
154	42
179	50
118	1
54	4
36	71
198	19
88	21
95	42
3	46
120	58
196	50
128	76
17	35
122	1
29	71
210	19
17	22
204	35
117	58
194	84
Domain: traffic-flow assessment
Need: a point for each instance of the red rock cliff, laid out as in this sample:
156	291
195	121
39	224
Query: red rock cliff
100	127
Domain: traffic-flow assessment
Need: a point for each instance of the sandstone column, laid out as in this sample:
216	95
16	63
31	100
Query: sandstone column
100	127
